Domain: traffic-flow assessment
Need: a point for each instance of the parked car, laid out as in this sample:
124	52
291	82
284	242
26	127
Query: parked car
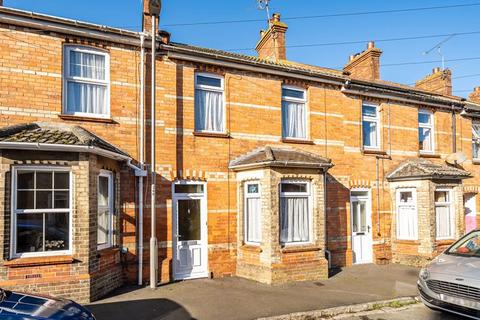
451	282
15	305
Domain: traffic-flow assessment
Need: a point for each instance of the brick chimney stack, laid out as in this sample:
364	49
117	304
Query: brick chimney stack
475	95
365	65
272	41
147	18
440	81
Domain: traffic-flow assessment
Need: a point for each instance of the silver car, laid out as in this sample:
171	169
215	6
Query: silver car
451	282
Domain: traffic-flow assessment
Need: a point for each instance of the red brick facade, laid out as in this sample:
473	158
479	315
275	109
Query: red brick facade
31	91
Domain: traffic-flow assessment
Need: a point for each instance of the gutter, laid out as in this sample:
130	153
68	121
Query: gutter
66	26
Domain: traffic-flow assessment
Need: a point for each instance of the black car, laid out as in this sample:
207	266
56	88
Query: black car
16	306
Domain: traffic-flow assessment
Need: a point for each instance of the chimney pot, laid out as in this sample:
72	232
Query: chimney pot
371	45
352	56
476	89
276	17
436	70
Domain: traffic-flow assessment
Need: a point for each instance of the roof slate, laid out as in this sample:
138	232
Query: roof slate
414	169
280	157
52	133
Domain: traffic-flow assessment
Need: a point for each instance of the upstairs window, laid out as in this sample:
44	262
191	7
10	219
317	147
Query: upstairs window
41	211
86	82
370	127
209	103
295	216
253	213
294	113
445	220
476	140
425	131
407	221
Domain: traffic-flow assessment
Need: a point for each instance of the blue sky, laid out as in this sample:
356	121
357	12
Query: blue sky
127	14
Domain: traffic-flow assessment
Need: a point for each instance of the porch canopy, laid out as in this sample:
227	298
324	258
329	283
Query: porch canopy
45	136
422	169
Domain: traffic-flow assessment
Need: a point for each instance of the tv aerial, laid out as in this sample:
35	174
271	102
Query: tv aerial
264	5
438	47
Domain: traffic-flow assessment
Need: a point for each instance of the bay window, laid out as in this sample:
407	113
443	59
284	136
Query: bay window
105	230
86	82
294	113
41	211
253	213
475	140
407	220
209	103
370	127
295	215
445	220
425	131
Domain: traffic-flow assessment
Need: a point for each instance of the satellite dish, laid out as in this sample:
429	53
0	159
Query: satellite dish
154	7
456	158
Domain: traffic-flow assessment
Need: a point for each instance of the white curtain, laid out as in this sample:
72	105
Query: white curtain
370	133
444	229
87	65
86	98
406	222
103	226
294	120
426	139
294	219
209	113
254	220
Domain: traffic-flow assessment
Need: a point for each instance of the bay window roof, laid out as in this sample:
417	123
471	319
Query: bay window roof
57	137
280	157
416	169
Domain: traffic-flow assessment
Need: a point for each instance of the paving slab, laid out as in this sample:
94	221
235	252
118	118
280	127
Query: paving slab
236	298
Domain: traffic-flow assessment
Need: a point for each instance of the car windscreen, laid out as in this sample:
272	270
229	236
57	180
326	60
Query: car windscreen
468	246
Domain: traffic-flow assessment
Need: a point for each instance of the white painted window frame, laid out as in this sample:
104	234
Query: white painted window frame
110	207
15	211
308	193
376	120
475	139
247	196
449	205
307	110
68	78
399	205
220	89
430	126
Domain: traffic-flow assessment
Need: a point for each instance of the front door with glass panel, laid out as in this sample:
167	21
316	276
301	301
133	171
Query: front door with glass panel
190	248
361	227
470	212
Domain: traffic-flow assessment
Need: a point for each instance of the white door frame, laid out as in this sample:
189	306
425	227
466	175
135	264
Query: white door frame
368	199
203	225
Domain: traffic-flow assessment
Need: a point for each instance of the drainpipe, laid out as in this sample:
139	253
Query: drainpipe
142	159
325	231
454	131
153	238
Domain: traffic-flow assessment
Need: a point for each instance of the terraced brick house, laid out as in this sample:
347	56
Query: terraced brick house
267	169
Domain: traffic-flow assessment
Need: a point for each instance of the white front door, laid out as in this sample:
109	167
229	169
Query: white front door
190	244
361	227
470	212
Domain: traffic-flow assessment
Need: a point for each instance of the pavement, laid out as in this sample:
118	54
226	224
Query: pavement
413	312
236	298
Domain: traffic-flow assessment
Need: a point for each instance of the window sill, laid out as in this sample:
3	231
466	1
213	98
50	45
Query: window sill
295	141
212	134
374	151
300	248
429	155
401	241
444	242
251	248
475	161
70	117
105	252
38	261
